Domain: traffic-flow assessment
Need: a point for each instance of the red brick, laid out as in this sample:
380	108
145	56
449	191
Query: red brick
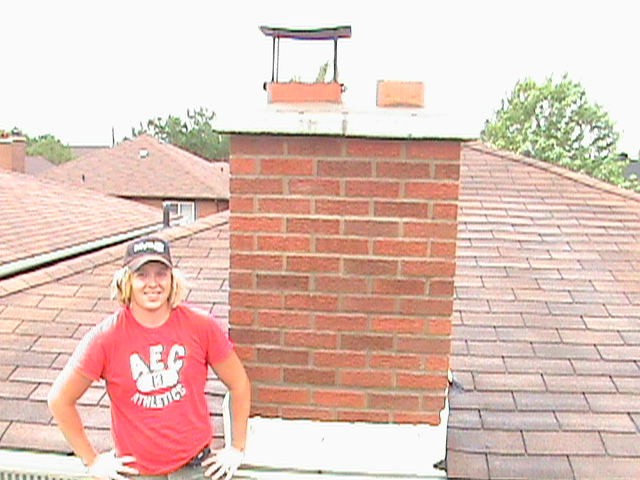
445	211
286	166
365	378
312	376
316	186
433	402
349	246
282	356
339	398
241	280
313	263
284	205
246	353
441	288
426	306
448	171
341	207
368	304
404	170
438	363
306	413
371	228
401	209
282	395
367	343
251	223
282	282
255	336
242	166
283	243
256	185
369	416
255	300
395	361
400	248
439	326
345	169
256	144
430	230
367	266
371	189
434	149
416	418
431	190
321	226
257	261
398	324
424	345
341	322
422	381
258	410
264	373
241	242
238	316
445	250
311	339
284	319
339	359
242	203
359	147
399	286
428	268
393	401
340	284
314	146
312	302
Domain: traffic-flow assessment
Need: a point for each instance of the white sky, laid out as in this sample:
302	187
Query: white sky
76	69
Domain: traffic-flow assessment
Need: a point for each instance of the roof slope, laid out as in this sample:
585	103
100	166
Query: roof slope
40	217
43	315
164	172
547	326
35	165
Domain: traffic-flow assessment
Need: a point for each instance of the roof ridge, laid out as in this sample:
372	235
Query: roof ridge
578	177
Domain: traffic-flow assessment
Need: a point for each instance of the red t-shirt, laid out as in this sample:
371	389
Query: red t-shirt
155	378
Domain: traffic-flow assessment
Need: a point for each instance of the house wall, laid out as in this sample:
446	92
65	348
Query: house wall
204	208
341	274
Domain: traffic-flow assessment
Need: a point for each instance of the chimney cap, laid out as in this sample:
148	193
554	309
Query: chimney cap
326	33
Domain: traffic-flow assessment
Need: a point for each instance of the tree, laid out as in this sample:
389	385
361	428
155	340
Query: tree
196	134
555	122
49	147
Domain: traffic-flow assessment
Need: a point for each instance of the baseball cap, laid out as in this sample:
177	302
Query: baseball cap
144	250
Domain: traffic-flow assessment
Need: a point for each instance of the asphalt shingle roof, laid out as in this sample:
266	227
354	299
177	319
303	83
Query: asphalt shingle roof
546	329
547	324
164	171
40	217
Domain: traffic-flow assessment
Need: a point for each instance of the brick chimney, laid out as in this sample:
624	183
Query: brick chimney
12	153
343	229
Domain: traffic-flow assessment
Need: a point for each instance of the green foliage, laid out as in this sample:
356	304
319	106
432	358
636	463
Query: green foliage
195	134
555	122
49	147
322	73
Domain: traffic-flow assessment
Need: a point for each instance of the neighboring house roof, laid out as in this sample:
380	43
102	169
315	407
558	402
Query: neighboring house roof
43	315
547	324
40	218
546	329
80	150
146	168
35	165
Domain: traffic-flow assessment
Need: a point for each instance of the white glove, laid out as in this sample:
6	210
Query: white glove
223	462
108	466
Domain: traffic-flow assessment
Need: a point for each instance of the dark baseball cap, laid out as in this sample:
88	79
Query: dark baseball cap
148	249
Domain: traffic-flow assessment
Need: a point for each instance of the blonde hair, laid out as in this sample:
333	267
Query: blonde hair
122	281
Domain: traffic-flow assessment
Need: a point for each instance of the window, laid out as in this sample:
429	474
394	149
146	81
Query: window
187	211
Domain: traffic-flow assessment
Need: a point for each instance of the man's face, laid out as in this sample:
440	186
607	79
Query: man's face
151	286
